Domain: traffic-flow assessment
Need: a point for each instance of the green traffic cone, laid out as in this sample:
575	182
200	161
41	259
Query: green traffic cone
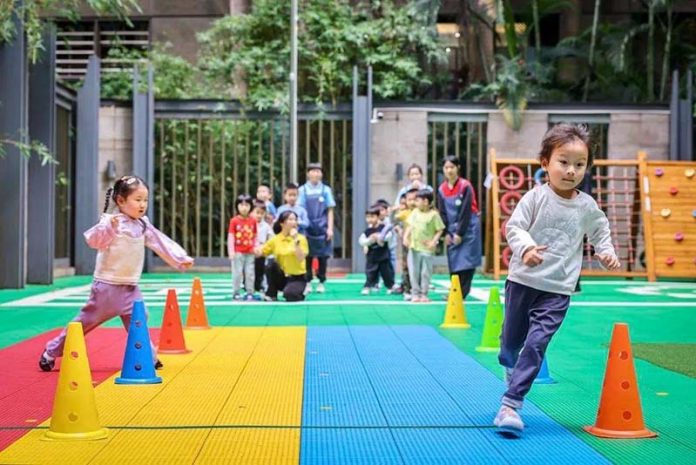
490	339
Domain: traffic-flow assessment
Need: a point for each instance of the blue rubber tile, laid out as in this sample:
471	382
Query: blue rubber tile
348	447
407	391
477	391
448	447
337	390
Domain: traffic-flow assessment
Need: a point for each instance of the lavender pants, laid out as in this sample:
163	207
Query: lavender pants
106	301
532	317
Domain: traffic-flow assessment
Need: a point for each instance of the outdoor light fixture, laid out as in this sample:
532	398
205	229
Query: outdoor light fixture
110	170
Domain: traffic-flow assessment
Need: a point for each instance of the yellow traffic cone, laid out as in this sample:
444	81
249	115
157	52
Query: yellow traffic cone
490	339
455	317
75	414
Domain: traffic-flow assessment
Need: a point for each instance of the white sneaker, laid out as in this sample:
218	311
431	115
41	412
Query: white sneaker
407	297
320	288
308	289
509	422
365	291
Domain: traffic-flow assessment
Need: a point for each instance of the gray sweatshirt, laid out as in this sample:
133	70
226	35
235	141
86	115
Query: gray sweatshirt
542	217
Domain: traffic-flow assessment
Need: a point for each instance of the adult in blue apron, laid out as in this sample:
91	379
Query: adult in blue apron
317	203
462	218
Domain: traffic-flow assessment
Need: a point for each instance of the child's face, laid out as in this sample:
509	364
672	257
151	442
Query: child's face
411	201
263	193
243	208
259	214
566	167
314	176
414	174
372	220
135	205
291	196
422	204
383	212
402	203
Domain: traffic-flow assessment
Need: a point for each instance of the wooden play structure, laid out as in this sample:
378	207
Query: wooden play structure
651	207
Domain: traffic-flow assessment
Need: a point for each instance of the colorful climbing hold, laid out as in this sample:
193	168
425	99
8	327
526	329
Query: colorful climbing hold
659	172
689	173
665	212
670	261
673	190
679	237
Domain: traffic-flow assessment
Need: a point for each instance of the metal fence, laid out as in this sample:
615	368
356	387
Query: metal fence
205	158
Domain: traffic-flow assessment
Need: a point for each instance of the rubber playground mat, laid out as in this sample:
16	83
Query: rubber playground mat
343	378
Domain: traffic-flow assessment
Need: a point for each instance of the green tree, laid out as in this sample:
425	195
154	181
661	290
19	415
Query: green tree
248	56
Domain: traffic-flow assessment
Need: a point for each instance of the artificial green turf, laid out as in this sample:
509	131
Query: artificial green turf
676	357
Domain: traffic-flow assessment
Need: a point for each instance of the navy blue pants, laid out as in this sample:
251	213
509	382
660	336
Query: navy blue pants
532	317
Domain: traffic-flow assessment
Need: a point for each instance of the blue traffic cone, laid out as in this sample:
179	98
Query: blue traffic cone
544	377
138	367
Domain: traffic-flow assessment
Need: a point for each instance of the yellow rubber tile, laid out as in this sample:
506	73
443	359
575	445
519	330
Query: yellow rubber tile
234	376
251	446
165	447
116	404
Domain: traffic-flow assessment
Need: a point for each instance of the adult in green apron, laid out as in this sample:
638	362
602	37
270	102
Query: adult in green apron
317	198
461	215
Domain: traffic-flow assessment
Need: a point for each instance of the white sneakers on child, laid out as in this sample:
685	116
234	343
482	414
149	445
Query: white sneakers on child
320	288
308	289
365	291
508	422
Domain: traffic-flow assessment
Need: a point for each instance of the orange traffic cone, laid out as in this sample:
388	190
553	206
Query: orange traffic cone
172	334
197	317
619	414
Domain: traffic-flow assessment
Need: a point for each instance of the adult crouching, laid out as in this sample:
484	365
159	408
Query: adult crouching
288	272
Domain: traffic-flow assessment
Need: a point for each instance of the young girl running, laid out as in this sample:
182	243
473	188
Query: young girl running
120	240
545	233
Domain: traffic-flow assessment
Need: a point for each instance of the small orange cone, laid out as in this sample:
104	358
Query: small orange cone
619	414
197	317
172	334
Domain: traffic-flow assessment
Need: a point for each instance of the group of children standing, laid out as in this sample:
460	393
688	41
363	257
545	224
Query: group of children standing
251	228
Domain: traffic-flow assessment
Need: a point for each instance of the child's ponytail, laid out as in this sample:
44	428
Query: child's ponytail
108	197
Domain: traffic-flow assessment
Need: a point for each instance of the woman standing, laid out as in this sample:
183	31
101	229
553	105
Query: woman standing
460	213
287	272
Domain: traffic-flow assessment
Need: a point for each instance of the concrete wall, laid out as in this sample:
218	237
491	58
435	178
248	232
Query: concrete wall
399	137
631	132
115	143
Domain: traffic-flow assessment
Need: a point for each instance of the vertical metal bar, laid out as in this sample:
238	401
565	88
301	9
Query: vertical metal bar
185	186
198	191
271	125
223	209
320	142
344	182
161	180
445	142
235	154
456	139
282	157
483	163
308	124
246	161
211	191
294	174
172	192
469	174
259	175
433	154
332	138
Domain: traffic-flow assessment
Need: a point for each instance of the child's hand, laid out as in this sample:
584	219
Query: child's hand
365	250
374	237
257	251
187	264
448	240
533	256
456	239
406	243
610	262
293	233
114	222
430	245
380	242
